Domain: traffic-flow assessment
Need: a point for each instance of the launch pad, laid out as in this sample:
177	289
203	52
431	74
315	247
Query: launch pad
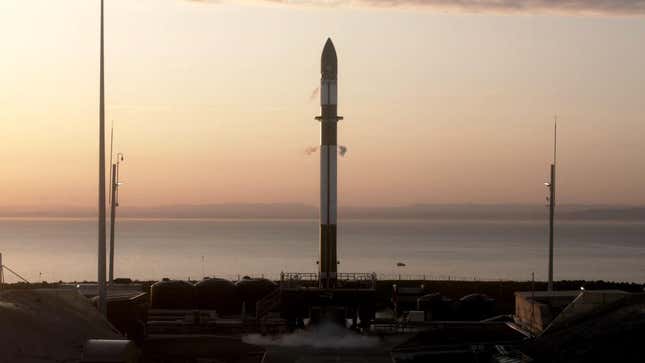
353	298
327	295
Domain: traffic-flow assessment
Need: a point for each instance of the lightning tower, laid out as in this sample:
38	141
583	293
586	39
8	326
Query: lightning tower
102	293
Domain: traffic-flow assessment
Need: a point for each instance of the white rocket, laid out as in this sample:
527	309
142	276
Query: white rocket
328	165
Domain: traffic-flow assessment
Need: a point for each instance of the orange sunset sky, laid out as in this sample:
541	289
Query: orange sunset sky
212	102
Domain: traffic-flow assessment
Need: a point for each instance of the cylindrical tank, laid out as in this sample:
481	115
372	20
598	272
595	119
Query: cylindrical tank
475	307
219	295
172	294
435	306
251	290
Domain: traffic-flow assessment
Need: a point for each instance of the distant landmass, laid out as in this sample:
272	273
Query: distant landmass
304	211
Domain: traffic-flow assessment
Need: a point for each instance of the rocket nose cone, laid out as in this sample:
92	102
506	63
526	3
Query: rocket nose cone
329	46
329	61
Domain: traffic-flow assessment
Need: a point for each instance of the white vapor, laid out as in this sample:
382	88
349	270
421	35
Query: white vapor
311	149
342	150
314	94
325	336
562	7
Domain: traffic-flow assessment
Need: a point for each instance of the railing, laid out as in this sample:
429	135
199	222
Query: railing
298	276
313	276
344	279
356	276
433	277
268	303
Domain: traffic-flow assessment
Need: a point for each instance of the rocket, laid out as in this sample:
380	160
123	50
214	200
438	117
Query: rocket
327	269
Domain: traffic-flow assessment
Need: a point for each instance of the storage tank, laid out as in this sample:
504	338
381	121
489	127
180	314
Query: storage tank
250	290
475	307
219	295
435	306
172	294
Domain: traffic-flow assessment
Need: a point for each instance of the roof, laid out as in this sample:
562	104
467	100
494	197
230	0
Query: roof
563	293
459	334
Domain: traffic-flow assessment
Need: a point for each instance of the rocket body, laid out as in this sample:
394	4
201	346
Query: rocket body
328	166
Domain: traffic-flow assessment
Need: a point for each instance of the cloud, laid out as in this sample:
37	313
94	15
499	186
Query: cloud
562	7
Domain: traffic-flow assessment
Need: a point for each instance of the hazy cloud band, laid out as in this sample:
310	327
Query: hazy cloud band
567	7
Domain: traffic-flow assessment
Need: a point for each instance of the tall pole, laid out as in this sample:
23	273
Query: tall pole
551	215
112	221
552	206
111	155
329	118
1	271
102	302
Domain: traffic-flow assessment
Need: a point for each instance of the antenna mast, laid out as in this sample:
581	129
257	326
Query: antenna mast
551	186
555	138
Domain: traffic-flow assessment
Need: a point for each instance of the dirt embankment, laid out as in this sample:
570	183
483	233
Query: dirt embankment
47	325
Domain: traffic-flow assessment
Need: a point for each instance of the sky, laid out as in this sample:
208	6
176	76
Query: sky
212	100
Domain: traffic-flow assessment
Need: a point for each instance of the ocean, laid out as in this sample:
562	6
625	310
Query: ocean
65	249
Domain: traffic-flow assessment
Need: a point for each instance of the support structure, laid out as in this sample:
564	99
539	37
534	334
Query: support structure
327	268
551	222
114	203
112	224
1	271
102	288
551	186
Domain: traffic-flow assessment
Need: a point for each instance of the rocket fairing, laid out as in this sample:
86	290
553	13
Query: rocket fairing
328	165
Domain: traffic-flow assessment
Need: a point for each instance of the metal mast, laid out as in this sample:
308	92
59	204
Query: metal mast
551	186
102	303
114	203
1	271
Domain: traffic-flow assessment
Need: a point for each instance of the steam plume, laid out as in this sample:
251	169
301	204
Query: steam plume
314	94
311	149
342	150
325	336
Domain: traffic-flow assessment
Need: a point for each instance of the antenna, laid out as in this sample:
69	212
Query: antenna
551	199
110	196
555	138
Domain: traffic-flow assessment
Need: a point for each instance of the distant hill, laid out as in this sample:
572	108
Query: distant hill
304	211
617	214
249	211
